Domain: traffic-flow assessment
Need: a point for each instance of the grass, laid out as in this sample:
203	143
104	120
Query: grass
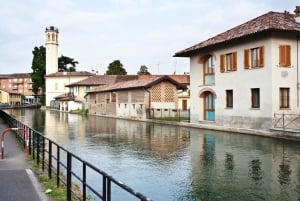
56	193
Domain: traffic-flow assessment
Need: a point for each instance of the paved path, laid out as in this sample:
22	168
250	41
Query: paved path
17	181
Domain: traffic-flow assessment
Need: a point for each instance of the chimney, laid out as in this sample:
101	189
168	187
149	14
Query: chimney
297	11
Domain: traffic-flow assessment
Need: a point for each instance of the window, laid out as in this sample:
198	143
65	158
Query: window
228	62
255	98
284	96
229	98
209	71
285	55
254	58
184	104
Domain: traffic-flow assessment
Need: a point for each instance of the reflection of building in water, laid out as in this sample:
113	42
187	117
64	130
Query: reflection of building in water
63	126
161	140
229	165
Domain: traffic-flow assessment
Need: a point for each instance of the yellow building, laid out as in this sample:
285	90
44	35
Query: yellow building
10	97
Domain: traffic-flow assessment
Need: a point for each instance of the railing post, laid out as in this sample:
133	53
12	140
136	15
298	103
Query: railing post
43	154
50	160
283	121
108	189
84	181
104	187
57	166
29	138
38	149
69	176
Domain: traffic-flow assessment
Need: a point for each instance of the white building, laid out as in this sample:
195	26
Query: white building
56	81
242	77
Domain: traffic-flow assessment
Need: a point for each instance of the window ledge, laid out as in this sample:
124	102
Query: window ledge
284	108
252	108
228	108
206	85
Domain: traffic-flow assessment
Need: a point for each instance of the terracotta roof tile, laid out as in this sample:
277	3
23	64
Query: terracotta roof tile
76	73
103	80
139	83
271	21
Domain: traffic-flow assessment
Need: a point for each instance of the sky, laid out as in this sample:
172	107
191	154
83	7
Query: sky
137	32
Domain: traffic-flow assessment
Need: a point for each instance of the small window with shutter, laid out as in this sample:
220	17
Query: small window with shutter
228	62
285	56
254	57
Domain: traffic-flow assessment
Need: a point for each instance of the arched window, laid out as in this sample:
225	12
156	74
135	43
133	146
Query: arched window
209	70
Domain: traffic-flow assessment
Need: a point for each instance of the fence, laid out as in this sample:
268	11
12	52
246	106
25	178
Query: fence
286	121
60	163
170	114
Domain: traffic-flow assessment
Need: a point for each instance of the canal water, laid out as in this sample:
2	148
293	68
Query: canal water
170	163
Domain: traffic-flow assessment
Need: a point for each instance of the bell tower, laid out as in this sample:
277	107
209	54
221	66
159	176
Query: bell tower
51	50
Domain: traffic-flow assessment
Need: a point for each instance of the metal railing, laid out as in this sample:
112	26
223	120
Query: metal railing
286	121
72	171
170	114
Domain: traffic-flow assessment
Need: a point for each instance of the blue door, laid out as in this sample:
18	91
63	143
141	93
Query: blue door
209	107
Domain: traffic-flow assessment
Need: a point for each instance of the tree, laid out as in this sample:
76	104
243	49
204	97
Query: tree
38	70
116	68
63	63
143	71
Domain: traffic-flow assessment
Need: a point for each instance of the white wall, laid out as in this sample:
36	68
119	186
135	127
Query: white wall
269	79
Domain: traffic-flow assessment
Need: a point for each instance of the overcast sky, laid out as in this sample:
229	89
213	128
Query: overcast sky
136	32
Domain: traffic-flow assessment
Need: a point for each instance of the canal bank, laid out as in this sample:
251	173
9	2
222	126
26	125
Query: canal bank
272	133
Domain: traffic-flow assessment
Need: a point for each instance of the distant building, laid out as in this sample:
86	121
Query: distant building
10	97
20	83
140	98
56	81
242	77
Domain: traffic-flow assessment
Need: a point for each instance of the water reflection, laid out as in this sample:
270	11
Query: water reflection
175	163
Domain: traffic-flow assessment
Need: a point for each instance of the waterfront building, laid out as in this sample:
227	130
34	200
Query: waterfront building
56	81
244	76
10	97
140	98
20	83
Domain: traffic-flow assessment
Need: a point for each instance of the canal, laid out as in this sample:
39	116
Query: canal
170	163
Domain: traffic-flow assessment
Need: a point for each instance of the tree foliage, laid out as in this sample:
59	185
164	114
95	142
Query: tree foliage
116	68
143	70
38	69
63	63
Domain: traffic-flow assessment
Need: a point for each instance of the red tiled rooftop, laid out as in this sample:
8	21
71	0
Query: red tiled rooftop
76	73
271	21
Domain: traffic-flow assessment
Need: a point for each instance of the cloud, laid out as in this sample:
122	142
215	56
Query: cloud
138	32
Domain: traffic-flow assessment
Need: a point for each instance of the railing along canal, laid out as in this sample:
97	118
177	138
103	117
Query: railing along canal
58	161
286	121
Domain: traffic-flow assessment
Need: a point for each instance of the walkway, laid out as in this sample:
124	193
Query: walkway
17	181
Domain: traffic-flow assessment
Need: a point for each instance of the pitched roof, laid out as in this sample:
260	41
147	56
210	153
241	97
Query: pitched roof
271	21
182	79
103	80
10	91
71	74
139	83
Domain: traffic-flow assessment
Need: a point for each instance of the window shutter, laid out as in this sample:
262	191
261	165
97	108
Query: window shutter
288	55
246	59
234	61
285	55
261	56
222	63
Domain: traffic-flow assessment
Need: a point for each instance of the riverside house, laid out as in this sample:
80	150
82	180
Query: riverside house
243	77
138	98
